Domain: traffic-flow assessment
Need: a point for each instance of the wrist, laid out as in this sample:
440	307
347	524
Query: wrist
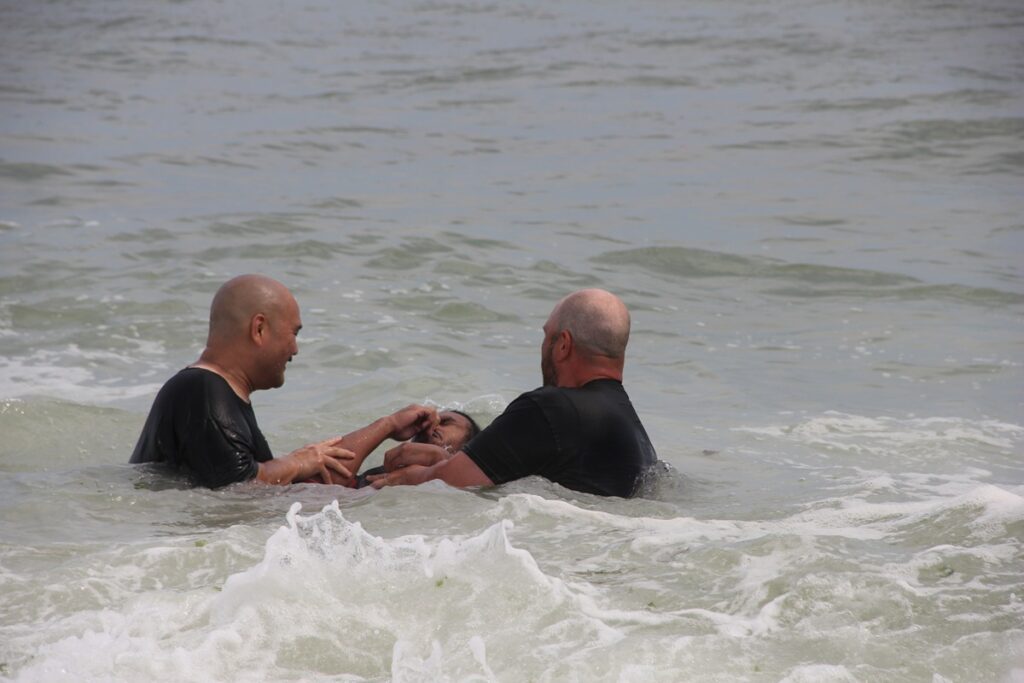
297	465
390	425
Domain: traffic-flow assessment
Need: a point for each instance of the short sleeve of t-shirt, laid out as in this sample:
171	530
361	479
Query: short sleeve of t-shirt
518	443
219	445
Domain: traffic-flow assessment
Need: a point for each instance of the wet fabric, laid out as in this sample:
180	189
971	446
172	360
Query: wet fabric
587	439
198	425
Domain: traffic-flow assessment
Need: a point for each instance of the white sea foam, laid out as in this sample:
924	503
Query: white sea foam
819	673
478	407
69	375
880	435
985	510
326	593
767	573
327	596
677	529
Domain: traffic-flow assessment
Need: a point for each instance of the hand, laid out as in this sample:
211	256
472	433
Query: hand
322	460
411	420
338	479
407	476
409	453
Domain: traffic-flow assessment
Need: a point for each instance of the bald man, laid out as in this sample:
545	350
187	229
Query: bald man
579	429
202	422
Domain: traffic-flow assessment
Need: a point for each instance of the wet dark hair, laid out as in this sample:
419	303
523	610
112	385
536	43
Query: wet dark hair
474	428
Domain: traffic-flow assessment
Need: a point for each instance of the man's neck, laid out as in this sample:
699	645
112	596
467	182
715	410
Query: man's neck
573	375
235	378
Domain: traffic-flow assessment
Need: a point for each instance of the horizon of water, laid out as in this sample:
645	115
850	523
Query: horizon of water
812	209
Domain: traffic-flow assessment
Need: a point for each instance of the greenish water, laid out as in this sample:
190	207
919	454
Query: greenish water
812	210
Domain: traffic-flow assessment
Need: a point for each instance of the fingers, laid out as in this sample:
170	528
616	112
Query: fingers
392	457
412	419
336	466
421	411
339	453
379	481
407	476
322	461
408	454
430	420
427	424
339	480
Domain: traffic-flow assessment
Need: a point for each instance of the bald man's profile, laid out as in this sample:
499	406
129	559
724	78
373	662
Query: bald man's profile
202	423
579	430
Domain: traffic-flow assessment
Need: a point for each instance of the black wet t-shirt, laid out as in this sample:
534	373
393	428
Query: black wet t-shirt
200	426
587	439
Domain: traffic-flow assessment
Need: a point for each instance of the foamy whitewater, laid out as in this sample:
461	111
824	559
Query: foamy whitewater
812	209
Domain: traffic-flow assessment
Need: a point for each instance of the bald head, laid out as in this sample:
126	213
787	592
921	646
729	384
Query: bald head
238	300
597	320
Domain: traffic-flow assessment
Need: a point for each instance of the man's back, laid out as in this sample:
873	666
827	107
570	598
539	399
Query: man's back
588	439
579	429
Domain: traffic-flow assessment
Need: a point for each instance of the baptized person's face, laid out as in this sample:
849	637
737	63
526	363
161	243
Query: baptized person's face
451	433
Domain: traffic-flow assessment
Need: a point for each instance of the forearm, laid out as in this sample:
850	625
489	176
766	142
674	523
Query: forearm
364	441
321	461
280	471
459	471
408	453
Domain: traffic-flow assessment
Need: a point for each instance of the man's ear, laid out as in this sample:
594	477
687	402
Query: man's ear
258	328
563	345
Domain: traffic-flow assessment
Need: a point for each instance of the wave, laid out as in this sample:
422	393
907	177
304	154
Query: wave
598	595
812	280
882	435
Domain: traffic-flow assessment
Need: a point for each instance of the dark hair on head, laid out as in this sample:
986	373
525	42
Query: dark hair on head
474	428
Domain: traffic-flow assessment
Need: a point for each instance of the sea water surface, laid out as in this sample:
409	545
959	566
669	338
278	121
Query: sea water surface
812	208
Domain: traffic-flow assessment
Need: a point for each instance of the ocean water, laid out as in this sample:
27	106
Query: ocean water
813	210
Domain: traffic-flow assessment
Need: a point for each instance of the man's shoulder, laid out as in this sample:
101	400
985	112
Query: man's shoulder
547	395
542	397
536	393
195	384
195	377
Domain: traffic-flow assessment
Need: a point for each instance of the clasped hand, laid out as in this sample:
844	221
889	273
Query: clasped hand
320	460
407	463
411	420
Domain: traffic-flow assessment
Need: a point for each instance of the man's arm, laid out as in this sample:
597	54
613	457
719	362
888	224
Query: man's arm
410	453
315	460
400	425
459	471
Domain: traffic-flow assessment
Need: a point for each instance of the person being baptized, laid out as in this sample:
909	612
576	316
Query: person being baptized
453	430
